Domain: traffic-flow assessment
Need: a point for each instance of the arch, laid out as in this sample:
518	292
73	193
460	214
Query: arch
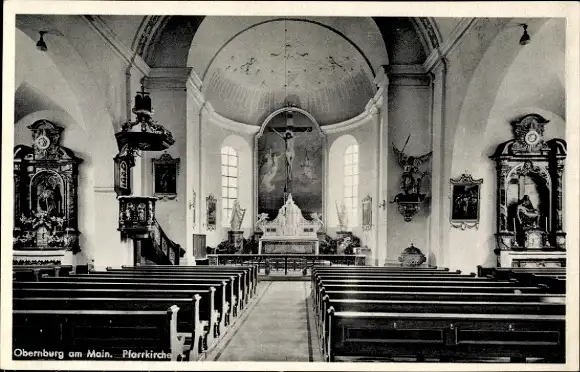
495	94
180	31
348	40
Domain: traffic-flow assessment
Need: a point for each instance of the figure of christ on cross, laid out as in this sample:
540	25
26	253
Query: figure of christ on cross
289	135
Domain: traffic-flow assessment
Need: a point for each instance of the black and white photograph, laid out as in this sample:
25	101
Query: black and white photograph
290	185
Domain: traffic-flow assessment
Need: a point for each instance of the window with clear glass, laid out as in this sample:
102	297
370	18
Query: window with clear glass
229	182
351	183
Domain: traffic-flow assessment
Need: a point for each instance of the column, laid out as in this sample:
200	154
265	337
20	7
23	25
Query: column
382	106
438	220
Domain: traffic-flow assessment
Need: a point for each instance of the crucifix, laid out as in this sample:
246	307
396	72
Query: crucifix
289	135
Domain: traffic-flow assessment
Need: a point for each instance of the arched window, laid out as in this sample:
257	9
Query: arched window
229	182
350	184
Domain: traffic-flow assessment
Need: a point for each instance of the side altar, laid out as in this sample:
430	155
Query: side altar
289	232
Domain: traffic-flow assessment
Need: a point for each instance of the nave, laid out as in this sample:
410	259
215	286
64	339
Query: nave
221	313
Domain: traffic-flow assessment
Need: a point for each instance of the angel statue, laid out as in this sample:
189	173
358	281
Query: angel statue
237	216
316	219
262	220
412	176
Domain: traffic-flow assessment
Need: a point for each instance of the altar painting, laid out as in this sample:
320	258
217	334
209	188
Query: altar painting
290	158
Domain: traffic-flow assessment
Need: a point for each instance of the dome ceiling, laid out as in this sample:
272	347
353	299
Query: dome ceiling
288	61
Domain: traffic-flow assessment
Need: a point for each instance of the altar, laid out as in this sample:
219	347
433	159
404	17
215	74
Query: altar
289	232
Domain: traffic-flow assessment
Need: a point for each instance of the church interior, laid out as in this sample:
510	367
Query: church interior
280	167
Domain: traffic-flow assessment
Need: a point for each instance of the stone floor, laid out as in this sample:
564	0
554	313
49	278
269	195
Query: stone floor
278	327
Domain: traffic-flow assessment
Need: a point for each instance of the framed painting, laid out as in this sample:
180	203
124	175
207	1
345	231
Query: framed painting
211	212
367	213
465	201
165	172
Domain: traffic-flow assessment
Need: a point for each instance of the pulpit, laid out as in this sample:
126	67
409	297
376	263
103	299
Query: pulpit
289	232
530	228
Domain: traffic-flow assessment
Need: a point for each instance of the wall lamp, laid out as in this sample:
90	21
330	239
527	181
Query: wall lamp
525	39
41	45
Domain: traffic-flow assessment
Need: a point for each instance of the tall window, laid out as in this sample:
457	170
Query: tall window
229	182
351	183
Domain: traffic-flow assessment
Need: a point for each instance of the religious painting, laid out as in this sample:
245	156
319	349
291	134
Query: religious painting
165	172
211	212
367	213
290	161
465	199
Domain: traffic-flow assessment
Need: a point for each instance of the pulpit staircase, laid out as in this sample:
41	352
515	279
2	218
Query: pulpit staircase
151	244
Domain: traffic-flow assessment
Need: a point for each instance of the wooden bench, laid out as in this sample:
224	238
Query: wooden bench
34	272
232	292
245	277
252	270
445	336
432	306
241	290
217	299
96	334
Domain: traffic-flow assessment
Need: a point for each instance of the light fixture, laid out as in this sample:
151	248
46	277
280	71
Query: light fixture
525	39
41	45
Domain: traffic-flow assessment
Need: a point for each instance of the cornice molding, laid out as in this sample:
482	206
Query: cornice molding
104	190
408	75
168	78
438	54
129	56
230	125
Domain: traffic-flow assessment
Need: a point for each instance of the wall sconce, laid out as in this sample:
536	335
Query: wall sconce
525	39
41	45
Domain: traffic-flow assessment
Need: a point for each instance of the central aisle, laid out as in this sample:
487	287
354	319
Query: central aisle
276	329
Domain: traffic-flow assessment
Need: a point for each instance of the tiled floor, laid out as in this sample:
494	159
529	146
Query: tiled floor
276	328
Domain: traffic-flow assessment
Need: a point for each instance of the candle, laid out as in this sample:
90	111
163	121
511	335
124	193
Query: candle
547	229
514	225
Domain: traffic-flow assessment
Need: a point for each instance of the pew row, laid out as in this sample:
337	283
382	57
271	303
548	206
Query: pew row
96	334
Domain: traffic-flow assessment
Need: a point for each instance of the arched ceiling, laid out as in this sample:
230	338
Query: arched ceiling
251	66
302	62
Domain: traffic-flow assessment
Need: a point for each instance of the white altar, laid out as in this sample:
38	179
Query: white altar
289	232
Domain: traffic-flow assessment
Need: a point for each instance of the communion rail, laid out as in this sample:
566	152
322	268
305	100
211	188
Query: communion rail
286	264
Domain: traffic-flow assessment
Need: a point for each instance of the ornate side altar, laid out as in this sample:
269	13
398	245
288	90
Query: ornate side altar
530	228
45	199
289	232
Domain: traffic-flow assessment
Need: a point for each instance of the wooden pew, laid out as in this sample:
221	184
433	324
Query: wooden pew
382	292
232	293
241	290
218	318
432	306
34	272
248	272
252	269
194	317
244	276
444	335
107	332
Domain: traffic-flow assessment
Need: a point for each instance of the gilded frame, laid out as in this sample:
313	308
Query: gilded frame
465	195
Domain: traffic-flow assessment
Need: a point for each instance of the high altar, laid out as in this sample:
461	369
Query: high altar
289	232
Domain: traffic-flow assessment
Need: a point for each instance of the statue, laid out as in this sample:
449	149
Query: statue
262	219
316	219
342	216
411	178
528	216
238	215
289	137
